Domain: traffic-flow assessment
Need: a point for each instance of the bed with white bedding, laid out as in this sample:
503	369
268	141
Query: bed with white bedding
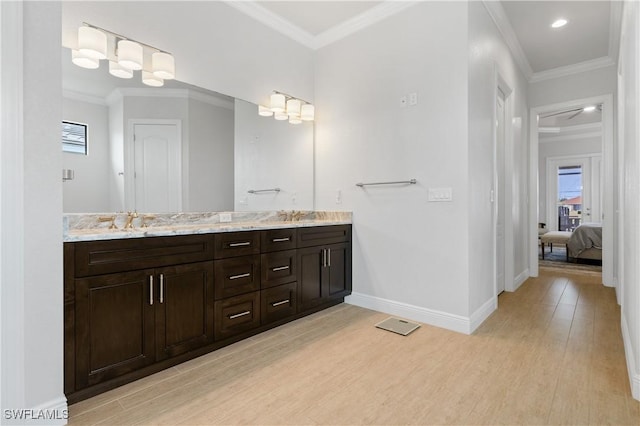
586	242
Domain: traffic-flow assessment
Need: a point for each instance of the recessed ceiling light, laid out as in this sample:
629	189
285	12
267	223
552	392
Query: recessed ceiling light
589	108
559	23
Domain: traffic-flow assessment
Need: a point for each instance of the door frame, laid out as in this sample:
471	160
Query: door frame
586	161
129	157
500	85
607	181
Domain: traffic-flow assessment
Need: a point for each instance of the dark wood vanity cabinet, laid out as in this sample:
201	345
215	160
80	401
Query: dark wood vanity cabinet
324	272
136	306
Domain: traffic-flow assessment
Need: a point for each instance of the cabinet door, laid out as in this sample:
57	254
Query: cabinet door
338	283
311	274
184	308
114	326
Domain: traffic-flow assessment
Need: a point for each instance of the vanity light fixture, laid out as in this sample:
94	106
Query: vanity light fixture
589	108
126	57
286	107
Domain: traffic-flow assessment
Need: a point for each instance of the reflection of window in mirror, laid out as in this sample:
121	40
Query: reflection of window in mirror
74	137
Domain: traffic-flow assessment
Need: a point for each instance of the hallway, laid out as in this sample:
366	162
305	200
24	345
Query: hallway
551	354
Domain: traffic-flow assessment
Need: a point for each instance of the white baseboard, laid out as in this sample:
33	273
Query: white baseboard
520	279
54	412
632	368
483	313
416	313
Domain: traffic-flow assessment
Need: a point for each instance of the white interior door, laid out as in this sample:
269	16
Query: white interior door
499	193
157	171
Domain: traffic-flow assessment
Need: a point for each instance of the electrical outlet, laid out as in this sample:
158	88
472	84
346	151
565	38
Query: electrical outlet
338	196
225	217
413	98
440	194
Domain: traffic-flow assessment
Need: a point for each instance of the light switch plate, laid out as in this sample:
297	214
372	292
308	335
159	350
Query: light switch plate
440	194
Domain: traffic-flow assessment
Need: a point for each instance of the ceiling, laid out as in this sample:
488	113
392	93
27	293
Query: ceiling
590	39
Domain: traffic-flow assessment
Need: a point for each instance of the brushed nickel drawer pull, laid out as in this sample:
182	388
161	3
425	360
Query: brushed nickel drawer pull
282	302
242	244
280	240
161	288
280	268
241	314
324	258
329	258
235	277
151	290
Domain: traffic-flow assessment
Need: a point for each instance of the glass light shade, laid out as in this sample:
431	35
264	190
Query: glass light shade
150	79
92	43
264	111
293	107
130	55
277	102
83	61
281	115
308	112
294	120
116	70
163	65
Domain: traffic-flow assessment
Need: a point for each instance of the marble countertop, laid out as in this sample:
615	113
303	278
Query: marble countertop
96	226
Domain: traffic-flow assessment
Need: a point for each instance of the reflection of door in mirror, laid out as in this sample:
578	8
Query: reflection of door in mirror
157	172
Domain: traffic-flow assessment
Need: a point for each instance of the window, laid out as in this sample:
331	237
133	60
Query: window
74	137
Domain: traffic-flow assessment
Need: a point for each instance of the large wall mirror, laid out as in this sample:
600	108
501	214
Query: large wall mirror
178	148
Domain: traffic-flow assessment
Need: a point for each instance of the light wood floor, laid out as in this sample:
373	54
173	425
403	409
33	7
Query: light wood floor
551	354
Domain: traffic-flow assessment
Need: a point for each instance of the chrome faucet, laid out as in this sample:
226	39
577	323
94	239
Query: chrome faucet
130	217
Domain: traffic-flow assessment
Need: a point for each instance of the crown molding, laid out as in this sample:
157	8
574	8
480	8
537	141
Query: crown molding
497	13
359	22
565	138
122	92
615	29
590	65
82	97
273	21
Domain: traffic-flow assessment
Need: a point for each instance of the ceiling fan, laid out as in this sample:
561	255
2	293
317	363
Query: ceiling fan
575	111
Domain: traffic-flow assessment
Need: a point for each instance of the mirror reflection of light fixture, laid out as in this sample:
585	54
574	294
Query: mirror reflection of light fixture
589	108
286	107
128	55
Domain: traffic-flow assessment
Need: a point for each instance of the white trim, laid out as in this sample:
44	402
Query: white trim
615	29
121	92
359	22
590	65
482	313
273	21
56	408
416	313
497	13
331	35
632	369
12	226
82	97
565	138
520	279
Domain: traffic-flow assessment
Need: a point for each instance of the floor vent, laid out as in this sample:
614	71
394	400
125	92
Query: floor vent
397	325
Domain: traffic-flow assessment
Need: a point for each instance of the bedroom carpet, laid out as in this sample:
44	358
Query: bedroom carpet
558	259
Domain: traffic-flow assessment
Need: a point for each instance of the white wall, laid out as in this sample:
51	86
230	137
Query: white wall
560	149
87	191
116	154
34	379
211	145
629	134
215	46
272	154
490	57
409	255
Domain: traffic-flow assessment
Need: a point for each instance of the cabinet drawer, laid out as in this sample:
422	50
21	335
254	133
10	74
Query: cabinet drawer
237	314
232	244
103	257
277	239
237	275
278	302
278	268
320	235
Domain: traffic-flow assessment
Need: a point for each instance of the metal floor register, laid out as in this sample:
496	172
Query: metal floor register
397	325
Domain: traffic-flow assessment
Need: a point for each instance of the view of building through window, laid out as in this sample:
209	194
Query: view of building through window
74	137
569	197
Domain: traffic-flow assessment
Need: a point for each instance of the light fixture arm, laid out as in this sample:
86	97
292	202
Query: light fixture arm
121	37
288	96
